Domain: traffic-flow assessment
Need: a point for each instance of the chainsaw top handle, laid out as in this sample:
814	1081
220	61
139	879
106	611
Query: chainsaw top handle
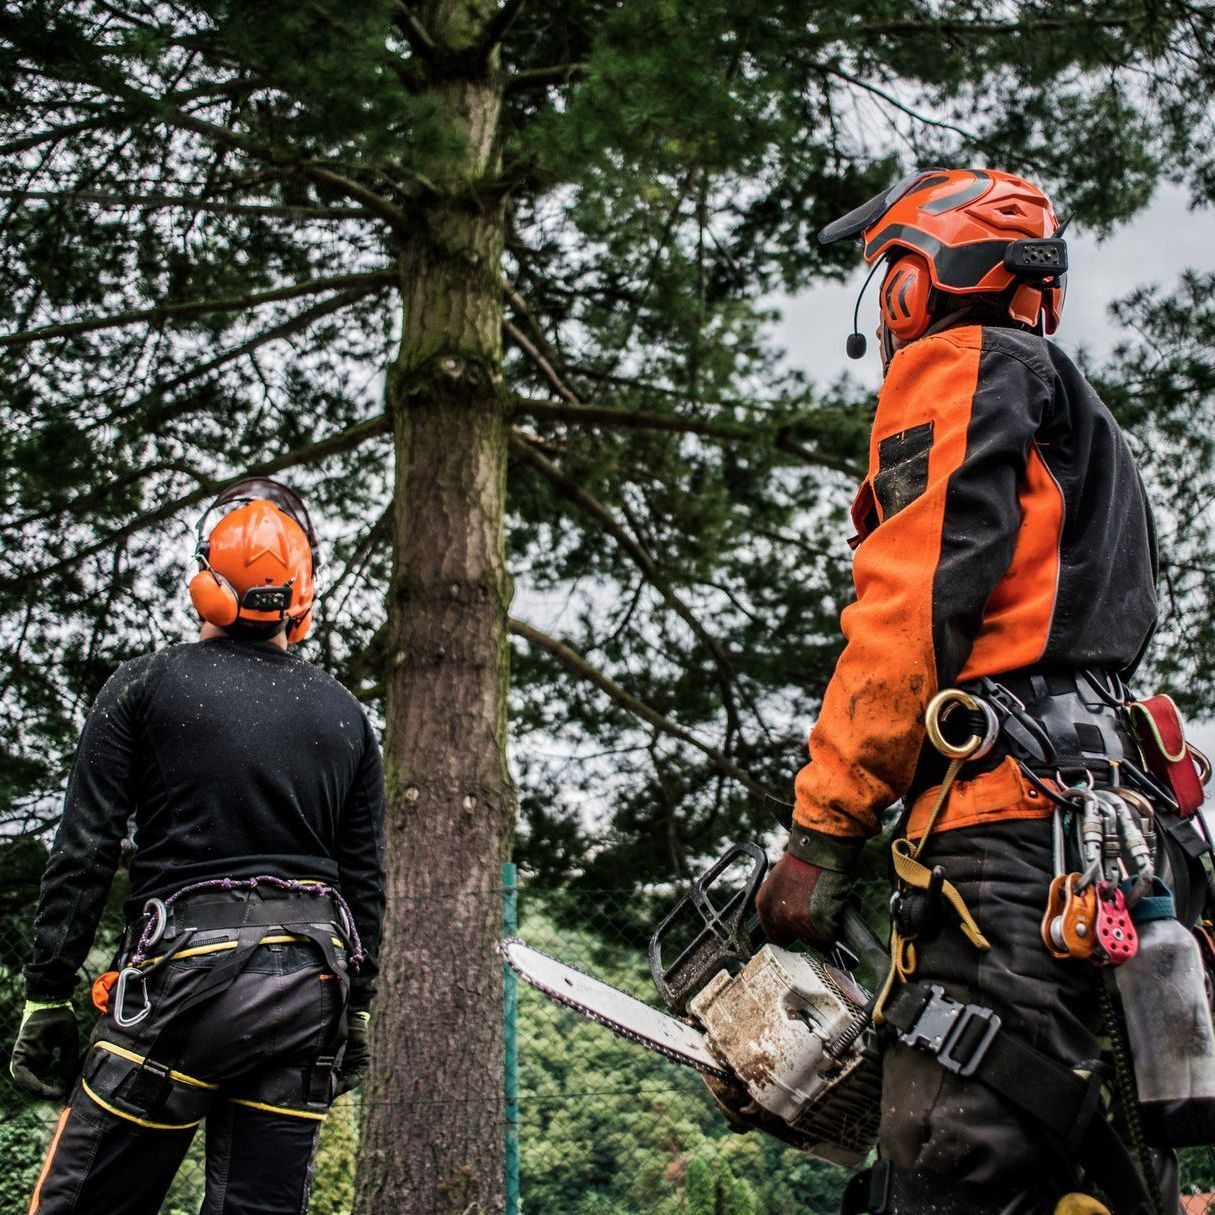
713	926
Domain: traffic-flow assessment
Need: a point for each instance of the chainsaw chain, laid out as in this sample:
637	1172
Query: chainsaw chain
591	1015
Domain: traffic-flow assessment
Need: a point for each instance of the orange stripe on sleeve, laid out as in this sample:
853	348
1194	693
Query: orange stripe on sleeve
864	746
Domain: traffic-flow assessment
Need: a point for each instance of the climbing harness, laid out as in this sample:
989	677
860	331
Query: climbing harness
132	978
132	1069
1110	799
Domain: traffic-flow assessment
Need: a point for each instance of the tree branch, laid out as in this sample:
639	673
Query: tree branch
500	23
286	329
890	99
591	506
733	432
168	312
176	117
936	28
68	129
369	198
148	201
419	36
577	665
545	77
346	440
546	368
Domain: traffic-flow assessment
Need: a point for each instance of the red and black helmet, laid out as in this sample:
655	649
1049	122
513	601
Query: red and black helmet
961	232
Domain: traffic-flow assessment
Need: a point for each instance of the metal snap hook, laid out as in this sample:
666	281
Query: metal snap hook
158	921
126	977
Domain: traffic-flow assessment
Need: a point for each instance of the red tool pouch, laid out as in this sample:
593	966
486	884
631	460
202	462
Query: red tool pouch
1161	734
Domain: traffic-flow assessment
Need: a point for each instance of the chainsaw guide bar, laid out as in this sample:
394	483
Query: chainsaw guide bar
624	1015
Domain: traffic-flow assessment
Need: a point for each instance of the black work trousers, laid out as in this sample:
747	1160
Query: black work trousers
956	1128
246	1065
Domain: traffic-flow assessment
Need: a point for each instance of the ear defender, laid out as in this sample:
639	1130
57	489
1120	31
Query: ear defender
904	297
213	598
298	628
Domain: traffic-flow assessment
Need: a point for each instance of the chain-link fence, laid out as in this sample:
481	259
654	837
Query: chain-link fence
603	1127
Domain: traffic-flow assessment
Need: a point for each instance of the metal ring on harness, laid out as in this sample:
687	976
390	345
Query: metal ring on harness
125	977
946	703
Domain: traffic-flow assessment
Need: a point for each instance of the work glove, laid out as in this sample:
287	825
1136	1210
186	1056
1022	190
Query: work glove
47	1048
800	901
357	1056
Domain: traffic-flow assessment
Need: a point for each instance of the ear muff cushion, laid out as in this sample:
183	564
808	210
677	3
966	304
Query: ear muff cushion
904	297
214	600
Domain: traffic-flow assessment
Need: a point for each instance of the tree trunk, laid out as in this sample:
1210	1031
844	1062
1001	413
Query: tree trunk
432	1138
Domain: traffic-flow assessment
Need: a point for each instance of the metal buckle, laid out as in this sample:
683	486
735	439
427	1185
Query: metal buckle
940	1026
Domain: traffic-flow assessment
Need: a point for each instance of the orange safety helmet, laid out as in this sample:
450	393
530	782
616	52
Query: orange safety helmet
256	565
961	232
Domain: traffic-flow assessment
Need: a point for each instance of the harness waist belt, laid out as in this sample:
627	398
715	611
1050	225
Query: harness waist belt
236	910
1060	720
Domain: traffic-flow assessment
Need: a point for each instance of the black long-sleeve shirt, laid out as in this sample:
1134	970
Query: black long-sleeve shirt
235	758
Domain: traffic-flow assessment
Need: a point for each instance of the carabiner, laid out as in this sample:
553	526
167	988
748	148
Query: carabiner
126	976
158	922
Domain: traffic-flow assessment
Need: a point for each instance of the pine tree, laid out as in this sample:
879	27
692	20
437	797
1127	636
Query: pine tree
487	282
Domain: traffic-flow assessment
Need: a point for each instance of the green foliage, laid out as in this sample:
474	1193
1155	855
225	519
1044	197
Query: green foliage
1162	388
662	167
610	1129
333	1169
206	208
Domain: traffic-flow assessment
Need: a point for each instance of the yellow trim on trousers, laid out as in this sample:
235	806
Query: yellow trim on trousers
279	1109
132	1057
154	1126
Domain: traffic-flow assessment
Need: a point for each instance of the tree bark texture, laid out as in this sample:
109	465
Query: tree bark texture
432	1138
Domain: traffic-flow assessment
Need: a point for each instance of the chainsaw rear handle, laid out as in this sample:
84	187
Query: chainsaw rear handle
727	936
724	936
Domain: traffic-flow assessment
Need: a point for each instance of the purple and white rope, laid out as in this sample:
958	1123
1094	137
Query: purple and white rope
291	885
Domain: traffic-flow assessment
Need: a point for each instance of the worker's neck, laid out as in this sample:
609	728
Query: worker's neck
210	631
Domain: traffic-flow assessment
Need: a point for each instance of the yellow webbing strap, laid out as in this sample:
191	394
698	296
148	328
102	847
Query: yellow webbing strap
910	872
1080	1204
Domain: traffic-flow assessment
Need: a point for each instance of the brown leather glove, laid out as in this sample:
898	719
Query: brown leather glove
801	901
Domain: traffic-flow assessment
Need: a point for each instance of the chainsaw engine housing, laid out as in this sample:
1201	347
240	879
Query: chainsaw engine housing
770	1024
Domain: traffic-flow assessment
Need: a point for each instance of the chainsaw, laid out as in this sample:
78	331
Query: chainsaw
783	1039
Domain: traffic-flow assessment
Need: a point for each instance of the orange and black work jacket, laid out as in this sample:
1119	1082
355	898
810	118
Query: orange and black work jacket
1002	524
